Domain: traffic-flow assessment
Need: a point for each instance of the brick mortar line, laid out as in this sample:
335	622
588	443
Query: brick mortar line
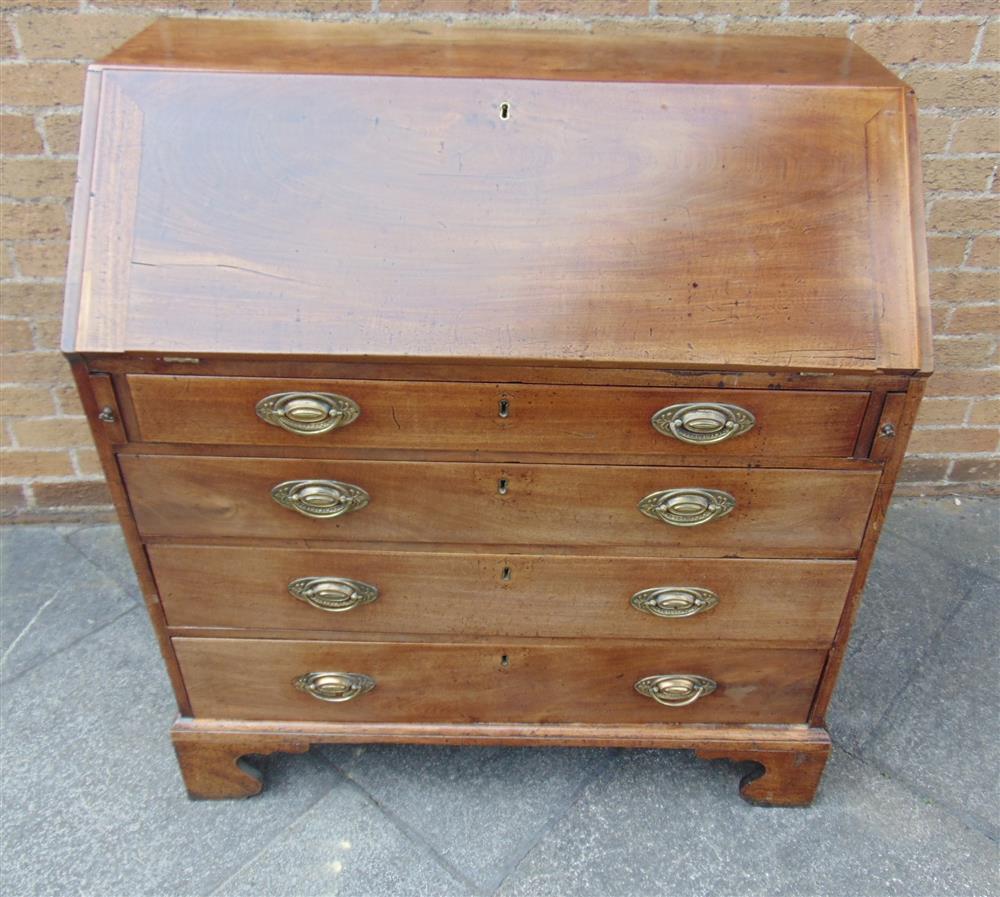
52	480
851	19
46	155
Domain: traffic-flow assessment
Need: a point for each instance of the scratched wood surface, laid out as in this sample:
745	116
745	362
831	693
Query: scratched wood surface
499	594
459	51
469	416
505	682
779	513
403	217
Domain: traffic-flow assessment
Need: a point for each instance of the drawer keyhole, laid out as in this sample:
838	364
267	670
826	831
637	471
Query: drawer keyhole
503	485
504	410
504	662
505	574
504	111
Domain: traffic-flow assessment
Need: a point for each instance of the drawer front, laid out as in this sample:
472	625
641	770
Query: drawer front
500	594
490	417
796	513
582	683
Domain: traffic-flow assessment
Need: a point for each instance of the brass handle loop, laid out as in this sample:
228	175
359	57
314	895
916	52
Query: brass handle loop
702	423
332	593
687	507
674	602
308	413
676	689
320	498
334	687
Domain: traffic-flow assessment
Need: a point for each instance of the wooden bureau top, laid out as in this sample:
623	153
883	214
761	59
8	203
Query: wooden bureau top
425	192
438	50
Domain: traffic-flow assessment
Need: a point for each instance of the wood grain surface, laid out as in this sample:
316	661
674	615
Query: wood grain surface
467	416
788	760
507	682
439	50
500	594
790	513
402	218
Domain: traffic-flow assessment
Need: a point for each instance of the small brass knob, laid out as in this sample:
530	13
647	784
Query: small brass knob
674	602
676	689
308	413
687	507
332	593
334	687
320	498
702	422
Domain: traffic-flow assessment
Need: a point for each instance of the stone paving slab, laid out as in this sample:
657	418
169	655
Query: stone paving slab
53	596
909	598
93	802
941	736
345	844
480	808
104	547
665	823
963	529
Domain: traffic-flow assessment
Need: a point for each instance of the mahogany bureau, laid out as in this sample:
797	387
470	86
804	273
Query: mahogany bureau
465	386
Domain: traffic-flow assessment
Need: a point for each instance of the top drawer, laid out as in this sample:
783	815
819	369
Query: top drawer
431	416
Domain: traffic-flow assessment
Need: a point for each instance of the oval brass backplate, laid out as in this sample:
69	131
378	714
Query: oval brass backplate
687	507
702	422
334	687
320	498
675	689
674	602
308	413
332	593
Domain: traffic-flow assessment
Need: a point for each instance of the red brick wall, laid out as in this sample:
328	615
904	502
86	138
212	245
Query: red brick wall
949	50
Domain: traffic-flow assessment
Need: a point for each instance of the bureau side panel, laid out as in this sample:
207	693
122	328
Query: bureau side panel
89	385
894	428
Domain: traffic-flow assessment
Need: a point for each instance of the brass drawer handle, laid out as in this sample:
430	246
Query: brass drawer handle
675	689
331	593
702	423
687	507
308	413
334	687
674	602
320	498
